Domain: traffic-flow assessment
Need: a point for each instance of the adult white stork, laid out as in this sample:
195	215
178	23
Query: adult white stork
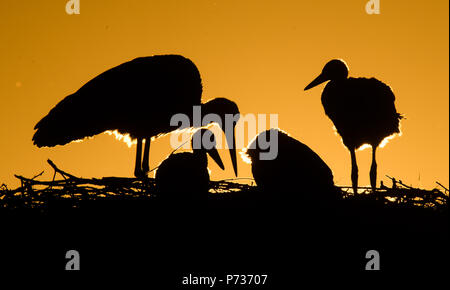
185	175
138	97
362	110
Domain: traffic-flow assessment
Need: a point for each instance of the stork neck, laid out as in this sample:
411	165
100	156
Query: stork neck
339	79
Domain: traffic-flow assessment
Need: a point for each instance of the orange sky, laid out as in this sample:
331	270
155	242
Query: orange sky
261	54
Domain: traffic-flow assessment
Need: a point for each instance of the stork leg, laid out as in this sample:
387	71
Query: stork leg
137	167
373	170
354	171
145	160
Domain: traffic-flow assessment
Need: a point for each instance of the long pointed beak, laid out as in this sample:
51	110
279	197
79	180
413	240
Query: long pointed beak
231	140
317	81
216	157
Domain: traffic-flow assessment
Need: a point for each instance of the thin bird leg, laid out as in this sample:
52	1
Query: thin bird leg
145	160
373	170
354	171
137	168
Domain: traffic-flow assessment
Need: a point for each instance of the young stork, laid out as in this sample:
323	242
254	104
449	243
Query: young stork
362	110
294	168
186	175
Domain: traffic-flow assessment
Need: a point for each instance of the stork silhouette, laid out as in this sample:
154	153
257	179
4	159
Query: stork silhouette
362	110
138	97
185	175
295	168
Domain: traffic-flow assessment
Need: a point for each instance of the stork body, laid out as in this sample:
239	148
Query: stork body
138	97
185	175
295	168
362	110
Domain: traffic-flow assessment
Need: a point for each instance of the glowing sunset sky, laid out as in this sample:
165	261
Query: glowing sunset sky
260	54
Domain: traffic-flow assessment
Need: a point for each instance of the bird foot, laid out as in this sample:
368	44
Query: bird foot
140	174
145	170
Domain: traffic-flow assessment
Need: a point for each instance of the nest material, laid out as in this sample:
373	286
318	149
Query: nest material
34	193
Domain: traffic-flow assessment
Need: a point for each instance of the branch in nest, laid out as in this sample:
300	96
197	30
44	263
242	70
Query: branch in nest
446	189
63	173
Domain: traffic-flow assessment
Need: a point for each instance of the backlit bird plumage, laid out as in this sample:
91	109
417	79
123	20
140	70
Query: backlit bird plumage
362	110
138	98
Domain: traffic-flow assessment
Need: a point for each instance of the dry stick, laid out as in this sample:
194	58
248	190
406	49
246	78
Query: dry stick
37	182
446	189
359	187
36	176
22	186
79	181
237	178
53	180
60	171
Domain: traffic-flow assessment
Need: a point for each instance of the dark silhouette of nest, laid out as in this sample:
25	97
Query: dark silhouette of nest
37	194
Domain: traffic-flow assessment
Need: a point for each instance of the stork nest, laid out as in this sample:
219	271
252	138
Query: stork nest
36	194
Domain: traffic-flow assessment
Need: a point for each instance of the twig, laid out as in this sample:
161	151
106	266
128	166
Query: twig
238	178
60	171
36	176
446	189
395	181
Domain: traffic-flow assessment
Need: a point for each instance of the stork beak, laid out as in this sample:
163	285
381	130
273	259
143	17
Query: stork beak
216	157
317	81
231	140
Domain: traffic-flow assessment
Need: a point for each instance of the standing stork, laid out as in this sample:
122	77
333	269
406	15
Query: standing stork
138	97
362	110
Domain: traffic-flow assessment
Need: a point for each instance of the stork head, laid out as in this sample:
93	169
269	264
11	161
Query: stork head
228	113
334	70
203	141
